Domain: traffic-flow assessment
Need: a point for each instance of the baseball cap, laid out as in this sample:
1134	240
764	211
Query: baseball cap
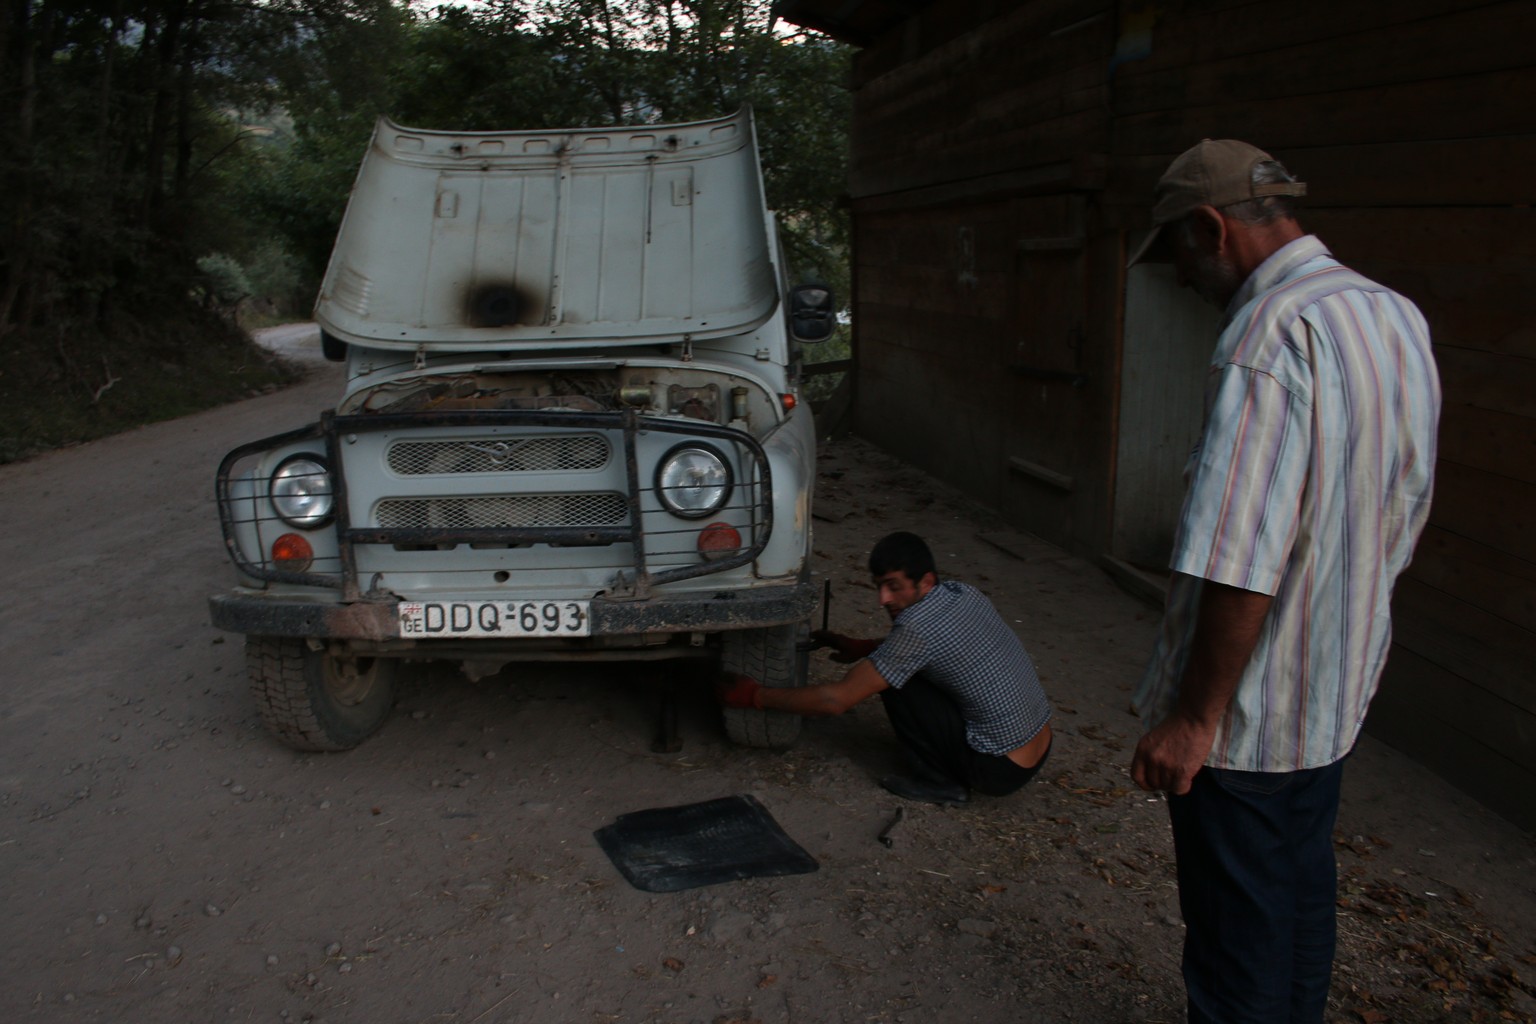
1213	172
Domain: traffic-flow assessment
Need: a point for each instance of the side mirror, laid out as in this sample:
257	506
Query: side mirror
812	315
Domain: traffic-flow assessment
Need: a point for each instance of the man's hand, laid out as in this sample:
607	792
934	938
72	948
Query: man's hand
1168	756
740	692
846	649
1226	633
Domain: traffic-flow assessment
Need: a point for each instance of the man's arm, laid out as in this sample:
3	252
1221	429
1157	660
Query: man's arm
847	649
1226	633
823	700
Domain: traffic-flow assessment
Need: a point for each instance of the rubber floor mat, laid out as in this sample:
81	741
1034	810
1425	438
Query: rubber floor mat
667	849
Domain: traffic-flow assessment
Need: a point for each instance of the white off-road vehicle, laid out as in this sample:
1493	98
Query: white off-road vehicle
571	428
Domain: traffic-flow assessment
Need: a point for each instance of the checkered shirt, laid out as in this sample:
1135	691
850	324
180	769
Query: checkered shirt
957	641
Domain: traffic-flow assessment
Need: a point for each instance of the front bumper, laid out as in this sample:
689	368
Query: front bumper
378	621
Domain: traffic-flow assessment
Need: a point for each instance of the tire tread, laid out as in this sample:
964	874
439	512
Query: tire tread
769	656
281	675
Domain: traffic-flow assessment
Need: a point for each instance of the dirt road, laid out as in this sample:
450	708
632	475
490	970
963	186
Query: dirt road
162	859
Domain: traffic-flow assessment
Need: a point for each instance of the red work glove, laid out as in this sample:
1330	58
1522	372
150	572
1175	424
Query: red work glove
847	649
740	692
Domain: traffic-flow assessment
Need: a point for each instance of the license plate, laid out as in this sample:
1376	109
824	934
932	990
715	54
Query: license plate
430	620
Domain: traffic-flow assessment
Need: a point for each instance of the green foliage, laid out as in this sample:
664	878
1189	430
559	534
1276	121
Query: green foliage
487	69
159	154
224	282
818	387
118	143
278	286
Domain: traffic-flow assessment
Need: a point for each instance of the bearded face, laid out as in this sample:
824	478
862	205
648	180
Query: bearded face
1211	275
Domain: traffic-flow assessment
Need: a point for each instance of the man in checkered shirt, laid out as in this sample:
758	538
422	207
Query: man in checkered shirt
958	686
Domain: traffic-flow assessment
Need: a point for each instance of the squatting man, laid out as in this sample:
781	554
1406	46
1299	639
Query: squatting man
958	686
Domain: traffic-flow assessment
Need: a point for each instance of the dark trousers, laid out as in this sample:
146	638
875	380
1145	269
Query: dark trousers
1257	884
932	733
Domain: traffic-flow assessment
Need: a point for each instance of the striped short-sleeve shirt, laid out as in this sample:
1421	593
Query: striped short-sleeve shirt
956	639
1310	483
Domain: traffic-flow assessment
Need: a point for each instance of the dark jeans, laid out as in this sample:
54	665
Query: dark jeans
932	733
1257	884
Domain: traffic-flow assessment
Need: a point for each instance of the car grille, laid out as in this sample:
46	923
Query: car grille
531	484
500	455
536	510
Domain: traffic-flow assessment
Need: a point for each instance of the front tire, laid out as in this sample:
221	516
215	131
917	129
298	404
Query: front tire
316	700
772	657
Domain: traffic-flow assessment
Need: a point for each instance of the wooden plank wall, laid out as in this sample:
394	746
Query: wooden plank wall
1414	126
933	296
972	262
1023	92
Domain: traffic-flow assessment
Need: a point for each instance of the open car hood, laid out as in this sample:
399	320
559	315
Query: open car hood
460	241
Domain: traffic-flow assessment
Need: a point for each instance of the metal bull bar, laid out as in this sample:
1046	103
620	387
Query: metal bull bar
331	427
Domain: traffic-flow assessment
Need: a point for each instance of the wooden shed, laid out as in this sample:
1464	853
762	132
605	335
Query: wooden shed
1002	165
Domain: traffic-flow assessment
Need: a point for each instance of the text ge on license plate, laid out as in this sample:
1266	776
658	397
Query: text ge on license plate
431	620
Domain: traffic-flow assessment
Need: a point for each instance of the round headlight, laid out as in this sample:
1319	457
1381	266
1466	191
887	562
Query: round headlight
693	480
301	492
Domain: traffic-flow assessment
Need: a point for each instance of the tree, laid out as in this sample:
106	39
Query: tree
140	139
680	60
120	116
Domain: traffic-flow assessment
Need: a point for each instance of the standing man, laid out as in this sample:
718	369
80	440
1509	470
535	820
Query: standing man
1307	492
958	686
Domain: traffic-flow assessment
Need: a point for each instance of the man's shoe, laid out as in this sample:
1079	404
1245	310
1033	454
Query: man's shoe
947	794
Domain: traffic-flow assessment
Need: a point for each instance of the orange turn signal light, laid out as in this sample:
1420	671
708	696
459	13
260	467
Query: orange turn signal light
719	540
788	401
292	553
